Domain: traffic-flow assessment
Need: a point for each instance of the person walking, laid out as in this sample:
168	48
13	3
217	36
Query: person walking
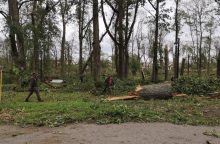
33	88
108	83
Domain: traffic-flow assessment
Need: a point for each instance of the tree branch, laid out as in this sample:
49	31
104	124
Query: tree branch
111	6
134	20
5	15
112	18
89	22
23	2
106	26
149	12
152	4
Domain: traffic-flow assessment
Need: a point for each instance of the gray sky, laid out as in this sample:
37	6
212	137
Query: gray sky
107	43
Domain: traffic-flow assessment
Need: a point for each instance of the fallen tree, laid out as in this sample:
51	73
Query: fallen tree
155	91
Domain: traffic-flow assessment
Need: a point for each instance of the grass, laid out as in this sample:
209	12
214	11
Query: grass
62	108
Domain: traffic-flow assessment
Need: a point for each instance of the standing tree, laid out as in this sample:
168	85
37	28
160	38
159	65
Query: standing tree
157	5
96	44
166	59
176	62
64	11
123	30
15	33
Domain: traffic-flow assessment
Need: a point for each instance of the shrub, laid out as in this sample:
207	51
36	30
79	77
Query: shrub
196	85
8	87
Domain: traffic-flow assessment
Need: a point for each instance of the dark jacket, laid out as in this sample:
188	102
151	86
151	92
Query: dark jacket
33	83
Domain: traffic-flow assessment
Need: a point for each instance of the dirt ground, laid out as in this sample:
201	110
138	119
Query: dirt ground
129	133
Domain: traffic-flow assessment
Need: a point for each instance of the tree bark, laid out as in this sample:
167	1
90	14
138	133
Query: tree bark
156	91
35	66
96	44
121	39
218	65
182	66
176	64
62	60
15	28
81	24
209	51
166	63
155	62
200	46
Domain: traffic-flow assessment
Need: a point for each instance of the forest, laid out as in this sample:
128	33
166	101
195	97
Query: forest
136	42
154	40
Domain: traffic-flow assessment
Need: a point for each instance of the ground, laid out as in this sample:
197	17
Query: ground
128	133
83	118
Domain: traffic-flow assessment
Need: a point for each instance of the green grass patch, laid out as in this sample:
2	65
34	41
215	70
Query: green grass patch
62	108
212	133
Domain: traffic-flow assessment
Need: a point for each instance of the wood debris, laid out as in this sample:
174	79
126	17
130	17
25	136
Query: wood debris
123	98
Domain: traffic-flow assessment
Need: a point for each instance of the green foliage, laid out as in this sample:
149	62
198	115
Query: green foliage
8	87
196	85
134	65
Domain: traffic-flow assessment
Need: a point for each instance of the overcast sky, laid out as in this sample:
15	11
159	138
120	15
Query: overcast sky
106	44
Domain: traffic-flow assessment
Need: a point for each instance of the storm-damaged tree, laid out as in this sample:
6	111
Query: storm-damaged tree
123	30
161	14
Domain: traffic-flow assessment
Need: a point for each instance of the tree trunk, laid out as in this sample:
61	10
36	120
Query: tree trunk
81	24
200	46
155	62
126	55
121	39
209	52
156	91
116	49
166	59
17	49
96	44
218	65
176	64
62	61
188	65
182	67
35	66
197	46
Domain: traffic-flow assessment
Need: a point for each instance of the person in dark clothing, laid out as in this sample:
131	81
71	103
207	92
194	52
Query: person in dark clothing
33	88
108	83
81	77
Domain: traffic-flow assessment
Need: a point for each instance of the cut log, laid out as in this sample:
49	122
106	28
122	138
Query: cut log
155	91
123	98
179	95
